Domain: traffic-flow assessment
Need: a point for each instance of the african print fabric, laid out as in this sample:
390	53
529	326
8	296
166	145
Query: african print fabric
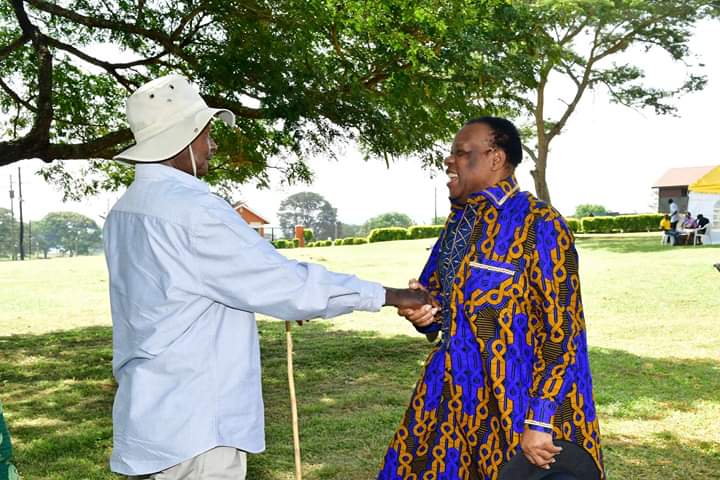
513	345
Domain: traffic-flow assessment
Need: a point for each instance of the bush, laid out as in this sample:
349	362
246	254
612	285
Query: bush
359	240
338	241
621	223
638	223
295	243
309	235
573	224
598	224
388	234
348	241
425	231
326	243
282	243
311	244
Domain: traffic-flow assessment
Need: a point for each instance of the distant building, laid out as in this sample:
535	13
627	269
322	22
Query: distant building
255	221
674	185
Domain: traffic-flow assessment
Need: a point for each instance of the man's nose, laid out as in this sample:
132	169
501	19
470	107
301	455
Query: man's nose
449	159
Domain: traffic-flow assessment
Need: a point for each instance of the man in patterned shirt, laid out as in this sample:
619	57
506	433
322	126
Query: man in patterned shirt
511	373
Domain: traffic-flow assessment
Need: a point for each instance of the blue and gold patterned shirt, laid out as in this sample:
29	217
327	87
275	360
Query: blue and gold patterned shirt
513	346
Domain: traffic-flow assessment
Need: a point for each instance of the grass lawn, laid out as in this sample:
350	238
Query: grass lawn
653	317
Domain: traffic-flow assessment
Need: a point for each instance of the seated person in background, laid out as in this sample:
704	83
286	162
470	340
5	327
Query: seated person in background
667	229
702	223
665	223
689	222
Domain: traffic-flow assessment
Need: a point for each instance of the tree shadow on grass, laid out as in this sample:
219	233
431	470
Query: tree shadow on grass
621	244
352	387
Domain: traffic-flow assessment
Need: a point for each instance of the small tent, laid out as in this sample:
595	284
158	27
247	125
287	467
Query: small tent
704	197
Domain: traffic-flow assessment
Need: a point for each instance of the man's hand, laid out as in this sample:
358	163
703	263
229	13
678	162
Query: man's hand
407	298
538	447
423	316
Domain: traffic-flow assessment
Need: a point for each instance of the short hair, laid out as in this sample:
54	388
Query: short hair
505	137
670	200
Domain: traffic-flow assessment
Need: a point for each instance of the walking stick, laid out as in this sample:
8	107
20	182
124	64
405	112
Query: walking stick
293	401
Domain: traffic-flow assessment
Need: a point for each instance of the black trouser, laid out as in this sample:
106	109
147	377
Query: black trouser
559	476
673	225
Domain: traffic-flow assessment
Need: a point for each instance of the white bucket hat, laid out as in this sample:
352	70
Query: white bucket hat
165	116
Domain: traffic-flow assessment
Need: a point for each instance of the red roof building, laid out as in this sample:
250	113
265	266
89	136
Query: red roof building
251	218
674	184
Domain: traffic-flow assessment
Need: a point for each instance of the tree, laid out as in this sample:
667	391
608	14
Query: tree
439	220
8	234
300	76
69	232
309	210
575	43
588	209
390	219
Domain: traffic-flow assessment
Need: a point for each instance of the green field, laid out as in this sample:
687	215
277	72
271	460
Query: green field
653	316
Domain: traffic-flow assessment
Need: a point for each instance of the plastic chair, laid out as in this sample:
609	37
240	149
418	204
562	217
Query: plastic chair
705	237
667	239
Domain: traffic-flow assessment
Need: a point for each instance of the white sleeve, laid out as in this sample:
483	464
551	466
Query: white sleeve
240	269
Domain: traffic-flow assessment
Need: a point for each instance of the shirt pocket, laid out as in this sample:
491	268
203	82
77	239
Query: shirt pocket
488	288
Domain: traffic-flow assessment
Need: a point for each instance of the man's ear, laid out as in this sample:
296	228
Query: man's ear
499	159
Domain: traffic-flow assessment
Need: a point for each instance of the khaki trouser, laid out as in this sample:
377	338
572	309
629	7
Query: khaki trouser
220	463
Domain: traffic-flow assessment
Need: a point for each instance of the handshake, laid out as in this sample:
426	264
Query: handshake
414	303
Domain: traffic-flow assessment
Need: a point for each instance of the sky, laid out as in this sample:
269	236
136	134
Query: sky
608	154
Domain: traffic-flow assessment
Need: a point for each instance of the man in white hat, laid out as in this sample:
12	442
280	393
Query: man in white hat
187	275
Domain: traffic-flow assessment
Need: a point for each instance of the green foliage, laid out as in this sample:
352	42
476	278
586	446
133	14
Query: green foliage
301	77
574	224
69	232
575	47
599	225
425	231
439	220
337	241
310	210
8	234
295	243
586	209
360	241
389	219
349	230
308	235
284	243
621	223
388	234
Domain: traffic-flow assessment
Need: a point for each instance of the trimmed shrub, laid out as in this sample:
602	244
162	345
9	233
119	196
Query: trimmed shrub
309	235
359	240
573	224
295	243
638	223
338	241
348	241
311	244
425	231
622	223
282	243
327	243
387	234
598	224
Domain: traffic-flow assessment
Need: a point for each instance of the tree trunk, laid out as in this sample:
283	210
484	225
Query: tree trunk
541	188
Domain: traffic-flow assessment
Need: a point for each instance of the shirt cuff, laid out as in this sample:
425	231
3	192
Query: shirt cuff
541	410
372	297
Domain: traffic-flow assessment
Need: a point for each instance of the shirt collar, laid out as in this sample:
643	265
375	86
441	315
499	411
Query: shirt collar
157	171
498	194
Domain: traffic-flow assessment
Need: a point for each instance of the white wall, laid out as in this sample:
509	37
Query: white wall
709	205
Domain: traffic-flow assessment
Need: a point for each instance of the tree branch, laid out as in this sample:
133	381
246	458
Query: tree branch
11	93
14	45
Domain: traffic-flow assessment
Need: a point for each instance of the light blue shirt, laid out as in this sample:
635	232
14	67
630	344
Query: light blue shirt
187	275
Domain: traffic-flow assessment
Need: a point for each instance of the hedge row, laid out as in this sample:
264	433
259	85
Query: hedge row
620	223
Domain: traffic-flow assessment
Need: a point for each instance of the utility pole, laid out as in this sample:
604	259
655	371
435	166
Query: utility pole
22	227
12	212
30	239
